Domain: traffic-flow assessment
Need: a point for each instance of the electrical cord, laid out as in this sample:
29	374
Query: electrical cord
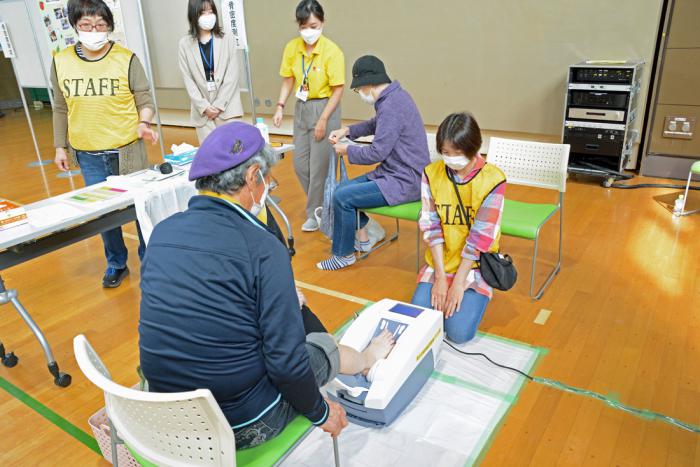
643	413
651	185
487	358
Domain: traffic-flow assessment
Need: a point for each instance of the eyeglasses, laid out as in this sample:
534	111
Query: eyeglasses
99	27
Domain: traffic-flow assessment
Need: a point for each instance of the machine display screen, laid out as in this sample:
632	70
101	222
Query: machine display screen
406	310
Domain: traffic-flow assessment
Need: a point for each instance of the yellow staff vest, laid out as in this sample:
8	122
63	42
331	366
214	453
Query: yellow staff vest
101	109
455	227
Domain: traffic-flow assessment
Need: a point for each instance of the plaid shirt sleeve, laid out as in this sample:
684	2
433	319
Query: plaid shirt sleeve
429	222
487	224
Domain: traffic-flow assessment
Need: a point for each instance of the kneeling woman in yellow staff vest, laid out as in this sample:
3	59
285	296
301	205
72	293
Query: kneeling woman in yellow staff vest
313	68
462	197
102	114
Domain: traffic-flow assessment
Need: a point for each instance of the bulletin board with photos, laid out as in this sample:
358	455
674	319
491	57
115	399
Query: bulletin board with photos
57	29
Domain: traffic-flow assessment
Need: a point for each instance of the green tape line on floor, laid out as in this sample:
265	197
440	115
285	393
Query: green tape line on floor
613	401
50	415
473	386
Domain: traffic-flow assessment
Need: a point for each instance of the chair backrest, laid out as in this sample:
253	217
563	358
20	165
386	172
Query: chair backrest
432	147
174	429
541	165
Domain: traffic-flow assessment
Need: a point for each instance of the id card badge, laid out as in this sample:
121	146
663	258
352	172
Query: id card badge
211	86
302	94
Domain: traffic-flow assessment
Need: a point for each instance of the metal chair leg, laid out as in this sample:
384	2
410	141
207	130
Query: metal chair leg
384	242
685	198
290	238
557	267
114	441
417	250
11	296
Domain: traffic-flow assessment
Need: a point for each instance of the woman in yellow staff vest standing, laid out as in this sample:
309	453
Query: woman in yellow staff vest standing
209	63
313	67
462	199
102	114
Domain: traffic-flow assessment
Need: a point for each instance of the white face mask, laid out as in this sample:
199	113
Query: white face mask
92	40
455	162
207	21
367	98
310	36
258	206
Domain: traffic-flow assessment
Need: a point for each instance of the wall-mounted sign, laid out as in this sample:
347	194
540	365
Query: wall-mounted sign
5	43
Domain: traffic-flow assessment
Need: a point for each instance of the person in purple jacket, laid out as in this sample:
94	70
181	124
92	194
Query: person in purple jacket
400	147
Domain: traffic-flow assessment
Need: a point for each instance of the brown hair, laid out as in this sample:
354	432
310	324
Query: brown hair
462	132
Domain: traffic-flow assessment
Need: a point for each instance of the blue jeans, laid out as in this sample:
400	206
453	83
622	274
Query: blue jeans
358	193
461	326
96	167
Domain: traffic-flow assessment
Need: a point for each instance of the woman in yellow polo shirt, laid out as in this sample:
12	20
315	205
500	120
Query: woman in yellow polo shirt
313	68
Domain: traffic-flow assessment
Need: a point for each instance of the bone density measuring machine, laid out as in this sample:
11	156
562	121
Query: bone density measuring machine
377	399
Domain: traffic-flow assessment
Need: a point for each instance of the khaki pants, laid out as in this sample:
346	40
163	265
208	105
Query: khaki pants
311	157
210	125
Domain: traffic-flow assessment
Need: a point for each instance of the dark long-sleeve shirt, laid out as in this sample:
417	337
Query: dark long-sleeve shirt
219	310
400	145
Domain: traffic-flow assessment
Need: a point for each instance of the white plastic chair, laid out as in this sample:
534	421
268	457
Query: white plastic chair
176	429
539	165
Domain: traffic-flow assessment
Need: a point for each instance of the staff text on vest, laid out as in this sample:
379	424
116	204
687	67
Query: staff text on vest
452	215
79	87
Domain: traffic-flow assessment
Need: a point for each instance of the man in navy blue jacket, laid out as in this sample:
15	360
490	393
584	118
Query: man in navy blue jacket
219	308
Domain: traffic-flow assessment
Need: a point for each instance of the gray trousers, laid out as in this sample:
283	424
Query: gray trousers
311	157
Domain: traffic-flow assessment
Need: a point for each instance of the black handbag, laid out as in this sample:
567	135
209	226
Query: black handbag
497	270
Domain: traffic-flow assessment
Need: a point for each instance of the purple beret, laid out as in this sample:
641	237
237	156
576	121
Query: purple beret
226	147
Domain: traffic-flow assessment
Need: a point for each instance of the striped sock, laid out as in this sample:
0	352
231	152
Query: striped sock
336	262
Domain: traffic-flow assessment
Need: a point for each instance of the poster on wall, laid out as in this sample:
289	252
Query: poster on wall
234	21
5	43
58	31
118	35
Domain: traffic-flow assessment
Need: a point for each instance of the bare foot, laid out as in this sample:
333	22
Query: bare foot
378	348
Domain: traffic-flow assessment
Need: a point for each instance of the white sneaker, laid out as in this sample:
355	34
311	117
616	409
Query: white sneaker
375	231
310	225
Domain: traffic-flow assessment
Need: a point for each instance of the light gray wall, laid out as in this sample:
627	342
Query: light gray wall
504	60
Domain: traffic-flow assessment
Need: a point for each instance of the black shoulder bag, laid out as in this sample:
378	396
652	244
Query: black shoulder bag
497	270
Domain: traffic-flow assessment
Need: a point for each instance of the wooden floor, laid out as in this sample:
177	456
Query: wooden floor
625	320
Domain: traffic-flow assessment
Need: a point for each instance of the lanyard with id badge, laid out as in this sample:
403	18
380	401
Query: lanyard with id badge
211	84
303	92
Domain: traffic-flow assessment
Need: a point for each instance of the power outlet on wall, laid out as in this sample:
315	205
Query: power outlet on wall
679	127
268	102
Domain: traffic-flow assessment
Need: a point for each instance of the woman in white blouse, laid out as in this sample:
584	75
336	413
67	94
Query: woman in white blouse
210	67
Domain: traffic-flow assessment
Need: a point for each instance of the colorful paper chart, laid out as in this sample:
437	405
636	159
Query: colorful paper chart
96	195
